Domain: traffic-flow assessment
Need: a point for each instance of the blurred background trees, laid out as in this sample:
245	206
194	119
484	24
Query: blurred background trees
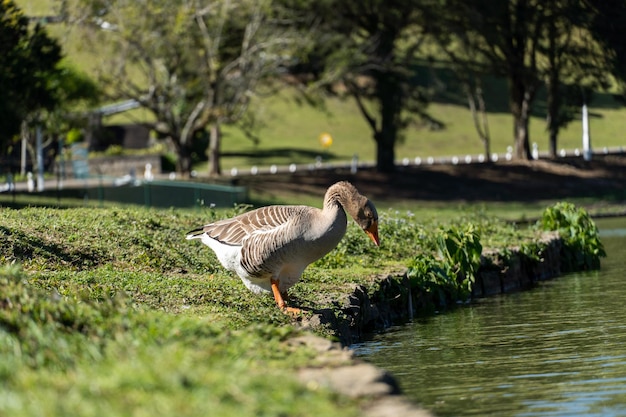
29	61
38	88
194	65
197	66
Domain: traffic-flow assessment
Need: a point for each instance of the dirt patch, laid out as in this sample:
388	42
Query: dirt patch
603	177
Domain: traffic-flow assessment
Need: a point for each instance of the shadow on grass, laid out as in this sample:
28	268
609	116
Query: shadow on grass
601	179
25	247
448	90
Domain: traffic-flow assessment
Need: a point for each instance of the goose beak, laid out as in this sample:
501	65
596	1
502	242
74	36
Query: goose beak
372	232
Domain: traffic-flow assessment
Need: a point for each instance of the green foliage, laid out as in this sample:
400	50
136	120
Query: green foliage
350	40
433	279
74	135
531	250
403	234
460	248
442	255
188	53
28	64
449	276
114	150
582	246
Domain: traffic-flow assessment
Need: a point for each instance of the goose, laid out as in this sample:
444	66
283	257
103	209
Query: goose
269	247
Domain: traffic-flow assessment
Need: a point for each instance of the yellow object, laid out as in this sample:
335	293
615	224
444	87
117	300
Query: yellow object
326	140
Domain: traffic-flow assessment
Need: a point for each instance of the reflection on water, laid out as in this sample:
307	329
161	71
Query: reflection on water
557	350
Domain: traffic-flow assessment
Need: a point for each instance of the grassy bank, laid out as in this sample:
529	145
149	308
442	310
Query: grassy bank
112	312
74	356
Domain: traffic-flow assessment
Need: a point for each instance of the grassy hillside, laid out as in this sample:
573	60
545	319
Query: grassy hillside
292	131
289	132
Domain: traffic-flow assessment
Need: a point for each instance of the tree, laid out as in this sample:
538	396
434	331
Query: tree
368	51
505	35
70	89
194	65
528	42
476	103
28	62
574	64
470	72
607	21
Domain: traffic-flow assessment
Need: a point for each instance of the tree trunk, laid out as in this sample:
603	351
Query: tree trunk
487	147
184	162
552	86
183	153
481	124
553	108
521	99
389	94
522	147
385	154
215	139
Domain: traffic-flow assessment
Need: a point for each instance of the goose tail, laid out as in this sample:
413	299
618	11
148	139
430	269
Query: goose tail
195	234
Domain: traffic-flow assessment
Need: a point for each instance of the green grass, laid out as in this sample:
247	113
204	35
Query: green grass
110	311
291	134
143	253
78	357
425	210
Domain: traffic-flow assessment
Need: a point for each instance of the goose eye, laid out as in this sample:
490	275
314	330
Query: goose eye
367	223
370	211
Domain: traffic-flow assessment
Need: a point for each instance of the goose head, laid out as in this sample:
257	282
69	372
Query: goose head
367	219
359	207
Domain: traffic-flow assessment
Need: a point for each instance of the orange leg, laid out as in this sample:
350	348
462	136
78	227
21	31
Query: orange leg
280	301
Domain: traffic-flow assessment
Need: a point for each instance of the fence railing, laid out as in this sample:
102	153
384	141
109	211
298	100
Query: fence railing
152	192
355	164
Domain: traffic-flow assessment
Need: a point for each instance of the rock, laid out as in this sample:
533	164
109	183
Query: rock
395	407
338	371
358	380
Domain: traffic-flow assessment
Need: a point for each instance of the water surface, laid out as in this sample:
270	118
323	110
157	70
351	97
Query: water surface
556	350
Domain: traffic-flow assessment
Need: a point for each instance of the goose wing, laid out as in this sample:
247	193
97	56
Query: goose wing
235	230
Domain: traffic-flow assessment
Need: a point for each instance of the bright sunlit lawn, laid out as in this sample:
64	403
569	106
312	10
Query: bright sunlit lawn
110	311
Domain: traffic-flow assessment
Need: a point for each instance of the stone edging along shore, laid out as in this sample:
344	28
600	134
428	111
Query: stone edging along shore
375	389
360	313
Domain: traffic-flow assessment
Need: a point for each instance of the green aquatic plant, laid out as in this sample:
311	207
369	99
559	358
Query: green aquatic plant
450	275
582	248
461	249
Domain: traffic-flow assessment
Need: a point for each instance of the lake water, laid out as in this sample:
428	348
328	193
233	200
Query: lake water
556	350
